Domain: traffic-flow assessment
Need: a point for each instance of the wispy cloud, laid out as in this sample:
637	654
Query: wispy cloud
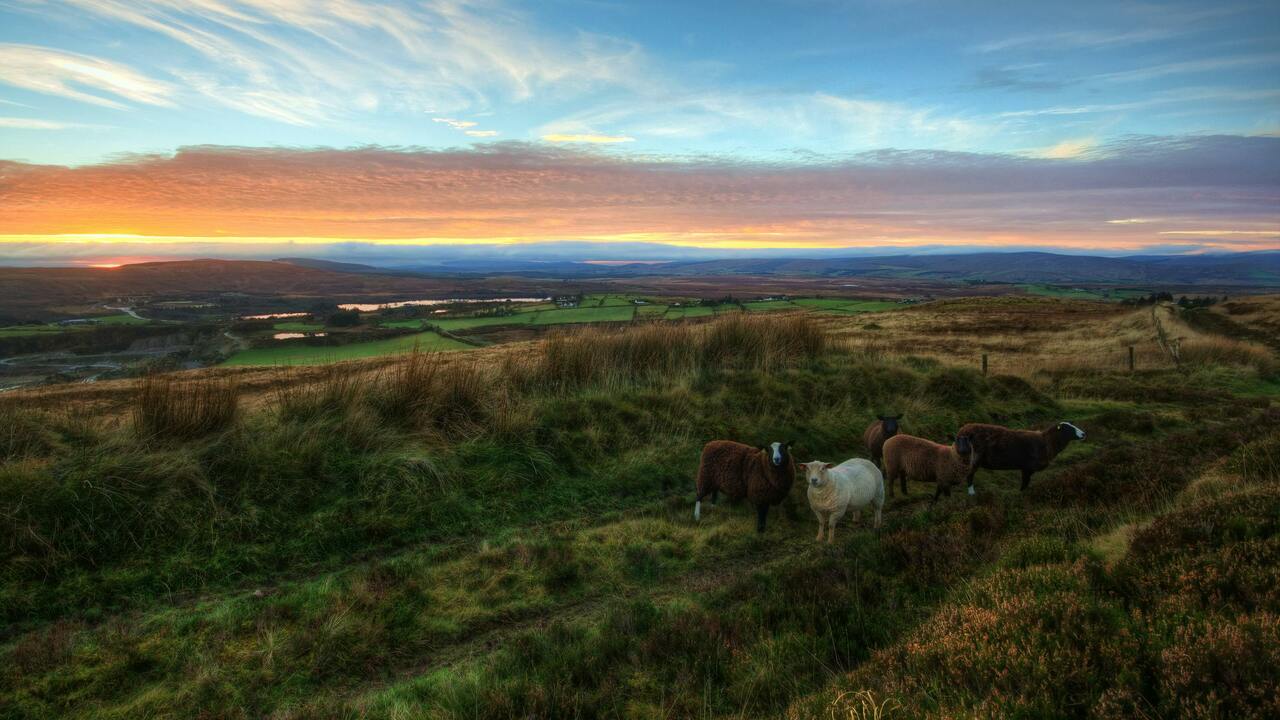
307	61
586	138
79	77
1066	150
482	133
456	124
18	123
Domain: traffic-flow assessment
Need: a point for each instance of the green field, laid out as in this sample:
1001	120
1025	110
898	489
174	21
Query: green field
121	319
297	326
27	330
1062	292
299	354
462	323
650	311
612	313
768	305
690	311
847	306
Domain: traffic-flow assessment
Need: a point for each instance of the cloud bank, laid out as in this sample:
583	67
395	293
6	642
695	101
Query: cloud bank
1219	193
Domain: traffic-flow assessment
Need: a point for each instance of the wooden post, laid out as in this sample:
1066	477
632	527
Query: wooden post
1130	358
984	363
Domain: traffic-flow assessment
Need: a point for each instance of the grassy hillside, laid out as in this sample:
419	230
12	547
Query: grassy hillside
504	535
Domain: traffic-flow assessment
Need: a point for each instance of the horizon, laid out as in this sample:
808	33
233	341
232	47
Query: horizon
411	132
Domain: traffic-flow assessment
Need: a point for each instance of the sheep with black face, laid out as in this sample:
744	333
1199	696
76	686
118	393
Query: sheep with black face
999	448
884	427
763	475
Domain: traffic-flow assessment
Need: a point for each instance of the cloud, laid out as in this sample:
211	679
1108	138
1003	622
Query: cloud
1066	150
1016	77
482	133
507	192
586	138
17	123
456	124
305	62
79	77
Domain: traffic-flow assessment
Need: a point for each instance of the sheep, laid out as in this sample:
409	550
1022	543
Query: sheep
835	489
884	427
999	448
907	456
762	475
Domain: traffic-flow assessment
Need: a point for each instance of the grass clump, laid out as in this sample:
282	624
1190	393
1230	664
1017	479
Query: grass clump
172	409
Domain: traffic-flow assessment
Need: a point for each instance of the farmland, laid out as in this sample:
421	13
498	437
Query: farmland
506	532
321	354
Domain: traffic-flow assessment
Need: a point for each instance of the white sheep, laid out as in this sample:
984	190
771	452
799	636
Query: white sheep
836	489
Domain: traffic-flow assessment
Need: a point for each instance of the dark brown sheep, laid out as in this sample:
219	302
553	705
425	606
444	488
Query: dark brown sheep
999	448
884	427
763	475
909	457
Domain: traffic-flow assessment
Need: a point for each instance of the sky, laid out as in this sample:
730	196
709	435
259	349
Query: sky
138	129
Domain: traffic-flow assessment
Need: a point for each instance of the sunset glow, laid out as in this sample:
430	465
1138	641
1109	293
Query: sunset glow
247	128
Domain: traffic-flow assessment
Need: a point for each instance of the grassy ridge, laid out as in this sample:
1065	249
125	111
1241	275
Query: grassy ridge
459	540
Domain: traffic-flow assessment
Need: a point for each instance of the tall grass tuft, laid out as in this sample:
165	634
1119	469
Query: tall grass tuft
657	351
1214	350
165	407
426	391
24	434
762	342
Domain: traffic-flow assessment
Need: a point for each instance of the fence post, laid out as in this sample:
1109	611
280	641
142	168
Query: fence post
1130	358
984	363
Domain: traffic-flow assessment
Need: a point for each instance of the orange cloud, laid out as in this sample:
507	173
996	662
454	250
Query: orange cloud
511	193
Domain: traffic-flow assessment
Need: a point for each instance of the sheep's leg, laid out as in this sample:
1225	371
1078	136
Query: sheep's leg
762	512
888	481
936	494
715	497
831	526
969	480
1026	479
822	524
902	477
878	507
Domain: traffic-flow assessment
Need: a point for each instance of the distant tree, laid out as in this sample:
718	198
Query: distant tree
344	318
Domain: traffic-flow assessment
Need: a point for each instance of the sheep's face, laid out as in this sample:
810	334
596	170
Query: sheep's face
1070	432
816	473
963	446
778	453
890	424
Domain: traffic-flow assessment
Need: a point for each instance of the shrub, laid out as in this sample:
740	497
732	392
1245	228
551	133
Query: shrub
166	407
1222	667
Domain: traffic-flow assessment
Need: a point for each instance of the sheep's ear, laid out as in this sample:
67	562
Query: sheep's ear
829	466
881	418
788	444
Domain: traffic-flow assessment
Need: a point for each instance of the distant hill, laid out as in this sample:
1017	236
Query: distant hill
1257	269
38	293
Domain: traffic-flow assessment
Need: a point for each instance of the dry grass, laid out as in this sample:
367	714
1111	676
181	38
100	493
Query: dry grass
427	391
167	407
646	352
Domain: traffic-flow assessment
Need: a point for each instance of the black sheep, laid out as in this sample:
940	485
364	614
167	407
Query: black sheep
999	448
